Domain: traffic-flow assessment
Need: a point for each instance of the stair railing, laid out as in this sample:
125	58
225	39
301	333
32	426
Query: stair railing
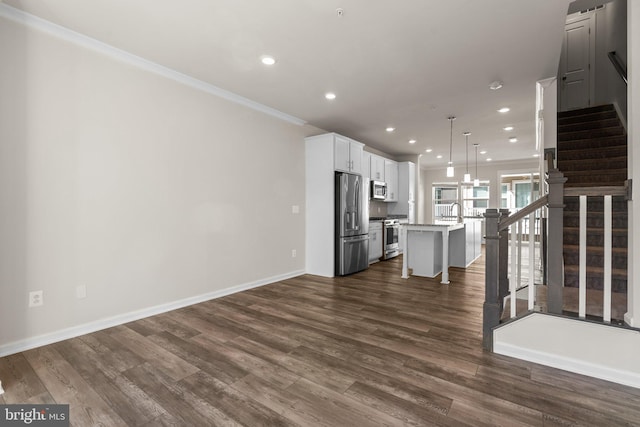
618	65
606	193
499	282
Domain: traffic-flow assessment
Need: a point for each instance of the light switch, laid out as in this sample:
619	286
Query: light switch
295	209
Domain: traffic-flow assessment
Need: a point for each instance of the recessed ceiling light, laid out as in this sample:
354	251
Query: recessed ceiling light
268	60
495	85
504	110
428	150
489	159
508	128
390	129
483	152
330	95
513	139
536	155
439	156
412	141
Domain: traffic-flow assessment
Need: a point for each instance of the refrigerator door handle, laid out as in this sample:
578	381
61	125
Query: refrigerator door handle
357	200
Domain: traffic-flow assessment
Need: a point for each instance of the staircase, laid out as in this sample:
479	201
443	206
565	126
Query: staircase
592	152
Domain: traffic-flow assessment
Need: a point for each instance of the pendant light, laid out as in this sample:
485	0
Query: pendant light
467	176
450	167
476	181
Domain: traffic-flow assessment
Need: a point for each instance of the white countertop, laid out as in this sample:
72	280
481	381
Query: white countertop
433	227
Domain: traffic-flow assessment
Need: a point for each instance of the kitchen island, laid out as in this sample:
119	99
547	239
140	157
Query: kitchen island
430	249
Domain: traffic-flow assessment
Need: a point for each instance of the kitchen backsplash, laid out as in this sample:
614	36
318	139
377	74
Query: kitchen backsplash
377	209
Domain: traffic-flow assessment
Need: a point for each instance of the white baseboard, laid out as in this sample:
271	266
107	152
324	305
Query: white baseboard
596	350
87	328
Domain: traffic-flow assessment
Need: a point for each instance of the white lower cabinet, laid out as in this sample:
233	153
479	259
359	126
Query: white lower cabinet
375	241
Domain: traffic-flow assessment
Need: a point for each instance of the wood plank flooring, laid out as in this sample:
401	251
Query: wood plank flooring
370	349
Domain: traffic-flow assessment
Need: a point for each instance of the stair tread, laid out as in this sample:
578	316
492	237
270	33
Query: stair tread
585	111
588	117
611	138
596	249
573	269
597	230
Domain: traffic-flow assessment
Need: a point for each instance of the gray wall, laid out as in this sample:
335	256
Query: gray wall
610	35
142	189
486	171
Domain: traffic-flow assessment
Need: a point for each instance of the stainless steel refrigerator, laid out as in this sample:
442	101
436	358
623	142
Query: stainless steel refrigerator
352	223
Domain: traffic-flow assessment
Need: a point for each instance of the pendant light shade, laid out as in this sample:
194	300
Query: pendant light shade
467	175
476	181
450	172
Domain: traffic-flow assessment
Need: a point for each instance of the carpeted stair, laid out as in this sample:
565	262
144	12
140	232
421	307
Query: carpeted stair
592	152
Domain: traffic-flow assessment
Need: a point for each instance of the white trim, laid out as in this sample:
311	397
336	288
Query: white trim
66	34
87	328
622	119
570	364
573	345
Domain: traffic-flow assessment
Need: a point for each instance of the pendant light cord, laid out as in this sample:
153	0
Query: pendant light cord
451	119
476	145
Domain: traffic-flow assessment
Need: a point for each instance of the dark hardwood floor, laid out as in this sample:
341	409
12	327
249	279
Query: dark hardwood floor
368	349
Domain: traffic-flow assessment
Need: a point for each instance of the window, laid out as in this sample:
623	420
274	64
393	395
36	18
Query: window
444	195
523	193
475	200
506	196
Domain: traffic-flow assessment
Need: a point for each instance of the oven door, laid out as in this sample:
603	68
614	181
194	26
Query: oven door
391	241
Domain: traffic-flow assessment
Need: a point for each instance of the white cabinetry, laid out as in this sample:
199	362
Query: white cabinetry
348	154
375	241
465	247
391	178
366	165
377	168
323	154
406	192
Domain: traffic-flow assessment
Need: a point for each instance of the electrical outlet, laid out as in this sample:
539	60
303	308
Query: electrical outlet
294	253
35	299
81	291
295	209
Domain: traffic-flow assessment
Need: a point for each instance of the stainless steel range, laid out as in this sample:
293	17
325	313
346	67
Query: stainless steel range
391	238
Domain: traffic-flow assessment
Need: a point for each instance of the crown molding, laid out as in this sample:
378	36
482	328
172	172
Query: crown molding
66	34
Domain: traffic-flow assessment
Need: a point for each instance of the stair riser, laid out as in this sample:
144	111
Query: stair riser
611	143
591	156
596	124
595	239
595	204
604	115
592	133
596	221
595	281
592	166
585	111
585	180
618	261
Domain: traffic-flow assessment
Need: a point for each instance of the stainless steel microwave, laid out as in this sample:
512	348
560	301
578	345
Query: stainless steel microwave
378	190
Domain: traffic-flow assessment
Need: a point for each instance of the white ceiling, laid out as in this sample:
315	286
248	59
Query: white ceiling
408	64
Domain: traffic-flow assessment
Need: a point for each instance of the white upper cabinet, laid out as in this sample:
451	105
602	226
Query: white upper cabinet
348	155
366	164
406	182
406	191
391	178
377	168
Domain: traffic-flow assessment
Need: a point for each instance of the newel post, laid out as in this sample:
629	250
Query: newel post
491	306
503	280
555	274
